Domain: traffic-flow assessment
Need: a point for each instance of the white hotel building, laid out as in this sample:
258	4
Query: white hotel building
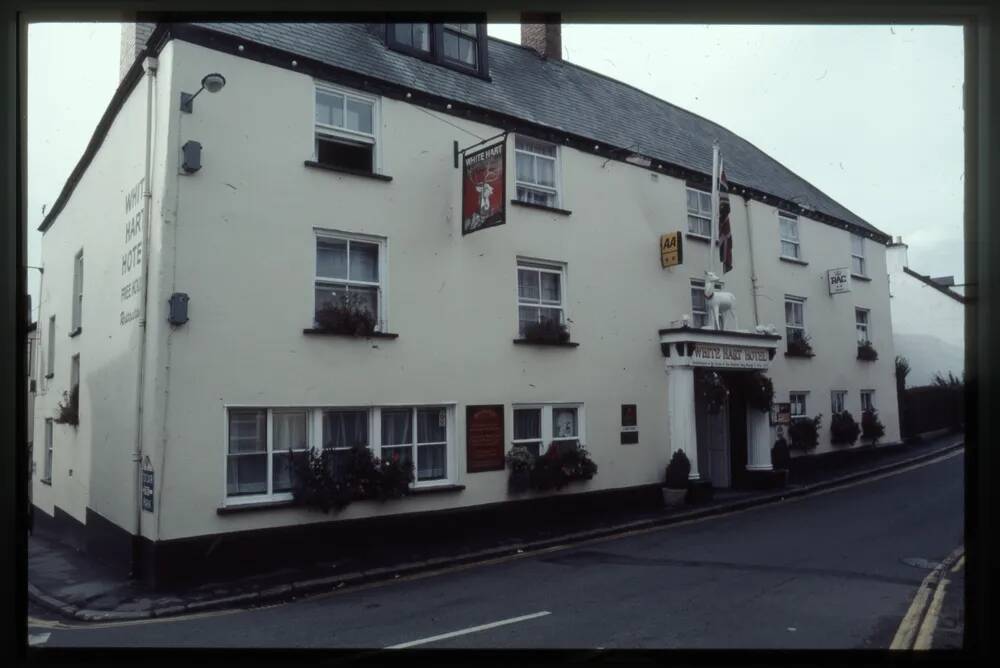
328	161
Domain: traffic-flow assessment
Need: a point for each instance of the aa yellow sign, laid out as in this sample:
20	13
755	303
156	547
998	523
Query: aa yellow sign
671	249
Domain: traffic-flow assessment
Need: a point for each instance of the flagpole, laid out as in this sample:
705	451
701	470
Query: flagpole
709	284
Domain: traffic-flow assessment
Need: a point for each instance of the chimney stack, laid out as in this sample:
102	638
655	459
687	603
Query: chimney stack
543	33
134	36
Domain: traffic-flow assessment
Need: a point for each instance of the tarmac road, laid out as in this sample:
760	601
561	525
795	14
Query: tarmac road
824	571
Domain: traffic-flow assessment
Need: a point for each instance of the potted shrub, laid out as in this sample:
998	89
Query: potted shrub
759	391
871	427
804	432
866	352
547	330
781	458
675	484
519	461
68	410
800	346
843	429
350	317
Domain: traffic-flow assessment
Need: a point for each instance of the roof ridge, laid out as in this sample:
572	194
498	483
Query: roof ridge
686	111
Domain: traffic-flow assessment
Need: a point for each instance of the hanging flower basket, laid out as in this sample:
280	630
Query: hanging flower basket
760	391
713	391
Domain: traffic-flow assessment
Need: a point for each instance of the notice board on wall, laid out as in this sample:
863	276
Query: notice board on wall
484	442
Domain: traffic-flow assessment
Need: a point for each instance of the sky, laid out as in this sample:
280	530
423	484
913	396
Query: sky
870	115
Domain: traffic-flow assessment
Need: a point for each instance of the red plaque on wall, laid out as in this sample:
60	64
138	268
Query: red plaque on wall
484	438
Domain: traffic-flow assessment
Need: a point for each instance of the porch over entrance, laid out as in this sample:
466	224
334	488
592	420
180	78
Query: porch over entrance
685	350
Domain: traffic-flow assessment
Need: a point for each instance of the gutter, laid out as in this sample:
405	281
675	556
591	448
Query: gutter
149	64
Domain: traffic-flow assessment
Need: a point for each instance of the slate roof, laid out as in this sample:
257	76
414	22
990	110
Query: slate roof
556	94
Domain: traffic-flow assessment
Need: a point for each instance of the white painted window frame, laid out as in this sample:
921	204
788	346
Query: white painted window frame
700	214
78	291
50	369
871	395
314	435
343	133
838	397
801	301
382	324
546	423
557	191
805	398
47	463
796	241
866	325
541	266
862	257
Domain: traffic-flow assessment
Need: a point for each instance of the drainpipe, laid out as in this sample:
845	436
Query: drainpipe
753	270
149	64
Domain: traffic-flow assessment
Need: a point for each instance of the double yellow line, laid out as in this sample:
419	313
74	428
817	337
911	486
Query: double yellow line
916	631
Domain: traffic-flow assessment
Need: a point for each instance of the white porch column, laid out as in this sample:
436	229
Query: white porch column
758	440
680	414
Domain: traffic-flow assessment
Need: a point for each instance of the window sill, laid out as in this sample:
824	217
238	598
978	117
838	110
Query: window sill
75	332
373	335
345	170
698	238
256	505
802	355
46	481
50	375
541	207
435	489
793	260
861	277
558	344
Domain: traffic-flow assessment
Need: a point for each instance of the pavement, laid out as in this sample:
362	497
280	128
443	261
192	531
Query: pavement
76	586
836	569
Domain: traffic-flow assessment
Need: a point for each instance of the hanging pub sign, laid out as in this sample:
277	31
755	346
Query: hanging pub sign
484	199
839	280
671	249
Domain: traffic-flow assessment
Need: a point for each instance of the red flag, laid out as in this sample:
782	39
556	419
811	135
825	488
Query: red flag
725	229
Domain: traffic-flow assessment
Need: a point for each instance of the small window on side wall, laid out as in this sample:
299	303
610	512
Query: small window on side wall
536	179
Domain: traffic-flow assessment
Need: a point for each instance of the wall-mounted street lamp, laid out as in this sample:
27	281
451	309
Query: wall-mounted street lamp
213	83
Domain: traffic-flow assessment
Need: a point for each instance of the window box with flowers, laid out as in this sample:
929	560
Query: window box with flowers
800	346
68	410
358	476
866	352
562	463
520	462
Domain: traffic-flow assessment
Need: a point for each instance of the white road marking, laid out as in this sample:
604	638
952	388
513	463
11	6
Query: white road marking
35	639
474	629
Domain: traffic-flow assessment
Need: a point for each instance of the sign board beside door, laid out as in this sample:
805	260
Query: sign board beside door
671	249
781	413
484	438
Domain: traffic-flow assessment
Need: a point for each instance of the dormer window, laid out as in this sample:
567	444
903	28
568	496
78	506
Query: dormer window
461	43
459	46
416	36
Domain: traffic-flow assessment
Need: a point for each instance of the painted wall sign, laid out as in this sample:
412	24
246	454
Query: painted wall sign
484	197
839	280
147	486
484	438
781	413
131	289
671	249
730	357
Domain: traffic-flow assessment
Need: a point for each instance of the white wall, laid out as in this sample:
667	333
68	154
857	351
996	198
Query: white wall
928	326
245	252
92	463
